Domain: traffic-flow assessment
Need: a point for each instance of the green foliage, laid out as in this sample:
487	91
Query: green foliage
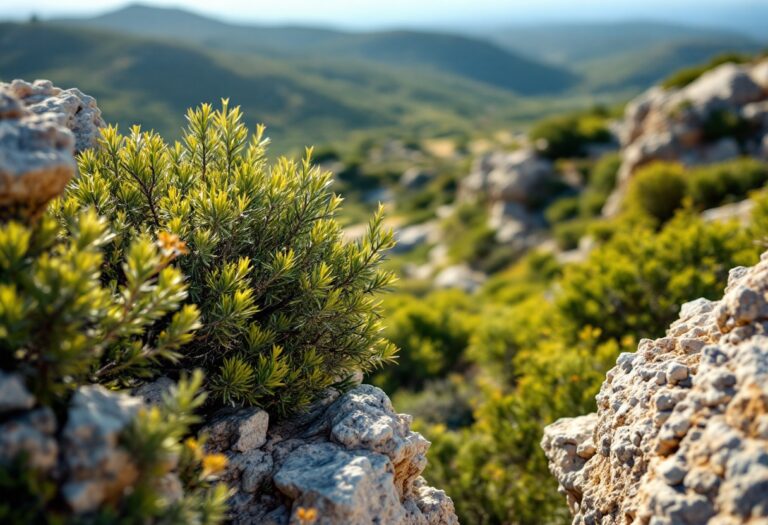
540	344
289	308
723	123
470	239
568	135
110	334
600	184
431	333
64	325
635	284
154	442
562	210
657	190
713	185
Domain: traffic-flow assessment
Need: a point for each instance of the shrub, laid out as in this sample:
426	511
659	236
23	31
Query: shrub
61	327
289	308
657	190
568	135
545	357
723	123
431	332
92	333
568	234
562	210
635	283
711	186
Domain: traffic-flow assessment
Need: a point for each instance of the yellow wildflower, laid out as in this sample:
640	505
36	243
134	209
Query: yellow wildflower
306	516
194	446
214	463
171	245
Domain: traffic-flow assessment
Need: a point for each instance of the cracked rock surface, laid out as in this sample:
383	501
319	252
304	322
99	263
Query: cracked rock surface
352	458
681	432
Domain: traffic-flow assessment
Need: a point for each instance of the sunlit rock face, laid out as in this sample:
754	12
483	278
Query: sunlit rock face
350	460
685	125
41	129
681	431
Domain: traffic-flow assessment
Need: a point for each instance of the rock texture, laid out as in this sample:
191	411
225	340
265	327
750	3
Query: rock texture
352	459
681	432
510	183
41	127
84	457
682	124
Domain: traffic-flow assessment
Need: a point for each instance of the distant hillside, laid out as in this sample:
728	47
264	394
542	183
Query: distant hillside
578	43
622	57
152	82
473	59
636	70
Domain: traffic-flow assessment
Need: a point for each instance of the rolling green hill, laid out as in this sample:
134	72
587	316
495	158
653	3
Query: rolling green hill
302	101
635	70
578	43
470	58
622	57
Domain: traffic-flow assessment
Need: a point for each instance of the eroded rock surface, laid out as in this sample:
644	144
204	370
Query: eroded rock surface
41	128
681	432
352	459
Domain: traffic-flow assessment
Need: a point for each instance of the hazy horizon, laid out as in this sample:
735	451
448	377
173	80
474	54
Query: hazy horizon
746	15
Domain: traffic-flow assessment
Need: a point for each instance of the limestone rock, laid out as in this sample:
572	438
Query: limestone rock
509	177
97	469
353	459
344	487
670	125
152	393
415	178
681	431
13	394
32	434
41	127
240	430
72	108
459	276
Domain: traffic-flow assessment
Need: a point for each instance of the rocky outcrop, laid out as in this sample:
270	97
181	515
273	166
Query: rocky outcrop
70	108
680	436
84	455
352	459
510	183
719	116
41	127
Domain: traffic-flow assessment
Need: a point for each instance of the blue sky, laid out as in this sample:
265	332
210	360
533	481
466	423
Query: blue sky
375	13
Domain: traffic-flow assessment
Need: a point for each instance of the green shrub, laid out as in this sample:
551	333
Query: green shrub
93	332
62	327
567	136
635	283
545	356
714	185
657	190
723	123
289	308
431	332
568	234
562	210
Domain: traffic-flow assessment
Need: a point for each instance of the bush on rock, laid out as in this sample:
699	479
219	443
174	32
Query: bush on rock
288	308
